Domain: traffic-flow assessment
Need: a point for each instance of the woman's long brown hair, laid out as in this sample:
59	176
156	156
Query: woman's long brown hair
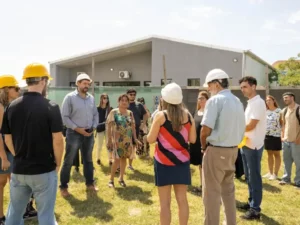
175	114
274	100
203	94
4	96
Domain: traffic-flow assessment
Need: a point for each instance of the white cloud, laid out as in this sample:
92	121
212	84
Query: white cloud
277	33
256	1
294	17
193	18
206	11
270	25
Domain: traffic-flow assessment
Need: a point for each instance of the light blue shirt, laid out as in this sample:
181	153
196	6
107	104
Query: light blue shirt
79	112
224	114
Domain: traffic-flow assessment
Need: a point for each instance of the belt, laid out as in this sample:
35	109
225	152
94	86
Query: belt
222	146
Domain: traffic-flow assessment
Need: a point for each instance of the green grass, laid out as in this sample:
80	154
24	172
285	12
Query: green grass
139	204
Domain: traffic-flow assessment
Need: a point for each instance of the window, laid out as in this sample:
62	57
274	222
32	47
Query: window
193	82
147	83
97	83
122	83
162	81
72	84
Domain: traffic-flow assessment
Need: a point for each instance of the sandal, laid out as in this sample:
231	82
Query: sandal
111	184
198	191
122	183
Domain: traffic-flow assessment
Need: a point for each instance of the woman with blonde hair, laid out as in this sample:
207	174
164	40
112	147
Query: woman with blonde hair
195	149
9	90
273	143
172	129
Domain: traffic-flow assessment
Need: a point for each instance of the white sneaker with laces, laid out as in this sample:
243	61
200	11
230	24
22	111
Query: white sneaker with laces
273	177
268	175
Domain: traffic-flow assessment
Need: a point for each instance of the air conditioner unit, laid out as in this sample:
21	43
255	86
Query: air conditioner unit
124	75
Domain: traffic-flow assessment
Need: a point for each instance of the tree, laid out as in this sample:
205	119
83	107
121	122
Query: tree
290	72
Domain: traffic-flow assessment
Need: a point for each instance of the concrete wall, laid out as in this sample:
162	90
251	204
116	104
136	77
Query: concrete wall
185	61
138	64
256	69
190	98
62	77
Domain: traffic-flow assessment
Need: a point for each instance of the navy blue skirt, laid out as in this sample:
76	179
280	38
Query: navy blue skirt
169	175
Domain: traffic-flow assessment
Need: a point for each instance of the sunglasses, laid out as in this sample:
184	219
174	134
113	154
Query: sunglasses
17	89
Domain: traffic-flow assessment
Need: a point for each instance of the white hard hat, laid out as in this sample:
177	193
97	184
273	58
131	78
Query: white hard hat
172	94
83	76
215	74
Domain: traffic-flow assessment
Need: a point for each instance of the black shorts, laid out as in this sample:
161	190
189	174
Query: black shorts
273	143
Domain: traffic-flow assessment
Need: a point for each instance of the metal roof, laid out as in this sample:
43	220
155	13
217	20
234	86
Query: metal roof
147	40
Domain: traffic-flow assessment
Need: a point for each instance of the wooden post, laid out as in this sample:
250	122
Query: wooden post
93	76
165	72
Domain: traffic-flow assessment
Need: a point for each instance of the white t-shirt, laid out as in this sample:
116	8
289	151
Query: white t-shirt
256	110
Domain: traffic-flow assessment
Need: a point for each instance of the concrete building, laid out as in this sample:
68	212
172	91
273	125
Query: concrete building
141	63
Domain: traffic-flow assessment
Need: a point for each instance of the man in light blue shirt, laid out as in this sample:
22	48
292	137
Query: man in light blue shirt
223	127
80	116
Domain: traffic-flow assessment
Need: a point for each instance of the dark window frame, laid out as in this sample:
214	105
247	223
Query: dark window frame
190	80
162	81
119	83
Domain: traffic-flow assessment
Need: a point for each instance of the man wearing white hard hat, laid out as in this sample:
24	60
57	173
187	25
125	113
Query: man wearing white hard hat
80	116
223	127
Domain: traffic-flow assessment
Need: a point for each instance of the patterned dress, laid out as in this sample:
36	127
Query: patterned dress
122	133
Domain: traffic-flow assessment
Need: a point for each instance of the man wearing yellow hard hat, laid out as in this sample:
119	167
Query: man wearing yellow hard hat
32	126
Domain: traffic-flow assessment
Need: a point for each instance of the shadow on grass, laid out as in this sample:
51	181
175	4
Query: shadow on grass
192	190
34	221
139	176
134	193
271	188
105	169
93	206
77	177
267	220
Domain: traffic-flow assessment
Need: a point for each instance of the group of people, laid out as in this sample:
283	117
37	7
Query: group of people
32	146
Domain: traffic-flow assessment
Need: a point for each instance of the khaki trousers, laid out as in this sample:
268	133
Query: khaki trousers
218	170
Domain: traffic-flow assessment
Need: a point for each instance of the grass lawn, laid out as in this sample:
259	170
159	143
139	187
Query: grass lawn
139	203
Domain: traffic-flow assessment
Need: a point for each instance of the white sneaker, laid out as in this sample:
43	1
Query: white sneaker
273	177
268	175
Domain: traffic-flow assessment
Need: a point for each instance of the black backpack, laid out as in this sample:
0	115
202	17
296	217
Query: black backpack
297	113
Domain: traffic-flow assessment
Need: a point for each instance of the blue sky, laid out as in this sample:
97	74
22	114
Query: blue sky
42	31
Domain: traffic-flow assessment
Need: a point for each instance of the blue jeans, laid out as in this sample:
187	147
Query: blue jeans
252	169
75	141
291	153
44	188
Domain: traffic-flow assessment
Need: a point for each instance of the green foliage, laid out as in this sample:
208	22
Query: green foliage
273	76
292	69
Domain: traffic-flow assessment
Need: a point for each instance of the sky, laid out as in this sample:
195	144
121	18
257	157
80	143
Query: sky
43	31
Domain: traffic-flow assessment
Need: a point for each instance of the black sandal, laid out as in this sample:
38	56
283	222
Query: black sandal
111	184
122	183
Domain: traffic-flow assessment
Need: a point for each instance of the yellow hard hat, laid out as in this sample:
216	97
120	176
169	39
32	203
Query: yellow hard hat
243	143
34	70
8	81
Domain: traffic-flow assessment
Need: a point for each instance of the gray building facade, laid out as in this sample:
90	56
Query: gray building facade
186	63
